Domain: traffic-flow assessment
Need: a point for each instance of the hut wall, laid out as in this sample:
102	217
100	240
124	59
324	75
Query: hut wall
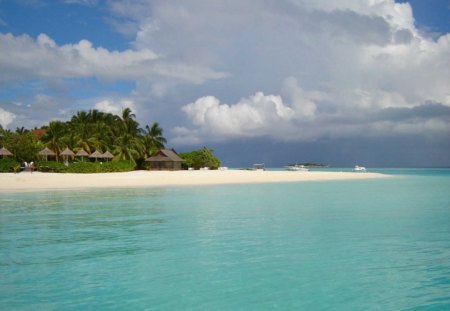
176	166
165	165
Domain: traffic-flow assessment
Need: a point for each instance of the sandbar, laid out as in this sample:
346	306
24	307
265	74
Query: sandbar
36	181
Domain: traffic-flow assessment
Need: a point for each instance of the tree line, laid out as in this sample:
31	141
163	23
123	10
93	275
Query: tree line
89	130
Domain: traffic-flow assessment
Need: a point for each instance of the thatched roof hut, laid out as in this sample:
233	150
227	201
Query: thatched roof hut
165	160
67	152
96	155
5	152
82	153
45	153
107	155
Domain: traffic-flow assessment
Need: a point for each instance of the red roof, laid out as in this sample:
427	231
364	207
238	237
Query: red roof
38	133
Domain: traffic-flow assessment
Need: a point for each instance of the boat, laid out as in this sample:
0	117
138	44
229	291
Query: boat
259	167
297	168
359	169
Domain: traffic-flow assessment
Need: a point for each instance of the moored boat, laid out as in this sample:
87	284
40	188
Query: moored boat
359	169
297	168
259	167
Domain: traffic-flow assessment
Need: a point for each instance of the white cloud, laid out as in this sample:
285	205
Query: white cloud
258	115
341	68
310	116
82	2
23	58
335	64
6	117
115	107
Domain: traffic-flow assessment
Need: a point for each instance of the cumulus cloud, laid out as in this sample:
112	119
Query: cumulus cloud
340	66
269	116
288	70
115	107
257	115
6	117
24	58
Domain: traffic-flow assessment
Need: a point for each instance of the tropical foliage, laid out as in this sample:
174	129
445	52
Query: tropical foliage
84	167
8	165
22	143
200	158
89	130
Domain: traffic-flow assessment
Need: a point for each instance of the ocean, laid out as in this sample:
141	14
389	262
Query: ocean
381	244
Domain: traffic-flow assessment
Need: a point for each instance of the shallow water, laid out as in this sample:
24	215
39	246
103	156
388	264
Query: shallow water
346	245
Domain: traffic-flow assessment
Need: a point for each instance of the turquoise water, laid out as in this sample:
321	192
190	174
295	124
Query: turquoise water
347	245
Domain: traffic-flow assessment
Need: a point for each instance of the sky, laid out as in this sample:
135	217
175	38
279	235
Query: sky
343	83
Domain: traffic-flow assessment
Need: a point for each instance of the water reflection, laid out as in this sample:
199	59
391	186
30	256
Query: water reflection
51	227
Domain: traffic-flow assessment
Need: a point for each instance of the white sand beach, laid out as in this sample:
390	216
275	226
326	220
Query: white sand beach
26	181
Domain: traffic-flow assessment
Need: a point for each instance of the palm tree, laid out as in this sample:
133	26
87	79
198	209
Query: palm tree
129	123
54	138
153	138
2	135
127	147
80	126
127	114
21	130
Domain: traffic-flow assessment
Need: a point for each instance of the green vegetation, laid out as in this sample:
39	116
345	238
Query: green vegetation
91	130
9	165
50	166
200	158
23	144
84	167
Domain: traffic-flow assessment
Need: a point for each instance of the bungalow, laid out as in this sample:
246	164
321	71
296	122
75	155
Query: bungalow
165	159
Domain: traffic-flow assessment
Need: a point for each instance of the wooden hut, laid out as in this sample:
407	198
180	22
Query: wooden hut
66	154
165	160
82	153
5	152
108	155
45	153
96	155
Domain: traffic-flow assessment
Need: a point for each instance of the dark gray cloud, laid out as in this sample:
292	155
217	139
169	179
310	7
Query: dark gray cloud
387	151
428	110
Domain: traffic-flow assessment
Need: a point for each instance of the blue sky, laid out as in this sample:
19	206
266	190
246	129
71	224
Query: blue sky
280	81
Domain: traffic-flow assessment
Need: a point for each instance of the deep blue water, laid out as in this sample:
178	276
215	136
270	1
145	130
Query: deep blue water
345	245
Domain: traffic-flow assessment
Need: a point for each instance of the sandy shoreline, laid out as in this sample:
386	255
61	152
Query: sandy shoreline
26	181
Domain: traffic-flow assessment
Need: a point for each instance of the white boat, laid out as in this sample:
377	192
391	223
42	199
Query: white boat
359	169
297	168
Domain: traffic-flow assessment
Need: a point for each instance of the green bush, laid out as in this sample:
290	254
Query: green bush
51	166
9	165
99	167
84	167
119	166
200	158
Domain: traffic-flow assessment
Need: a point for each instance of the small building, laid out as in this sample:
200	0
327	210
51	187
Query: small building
165	159
38	133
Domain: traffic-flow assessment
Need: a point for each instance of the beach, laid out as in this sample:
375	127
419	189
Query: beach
26	181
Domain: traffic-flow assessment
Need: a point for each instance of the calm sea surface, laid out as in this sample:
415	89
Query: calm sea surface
347	245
